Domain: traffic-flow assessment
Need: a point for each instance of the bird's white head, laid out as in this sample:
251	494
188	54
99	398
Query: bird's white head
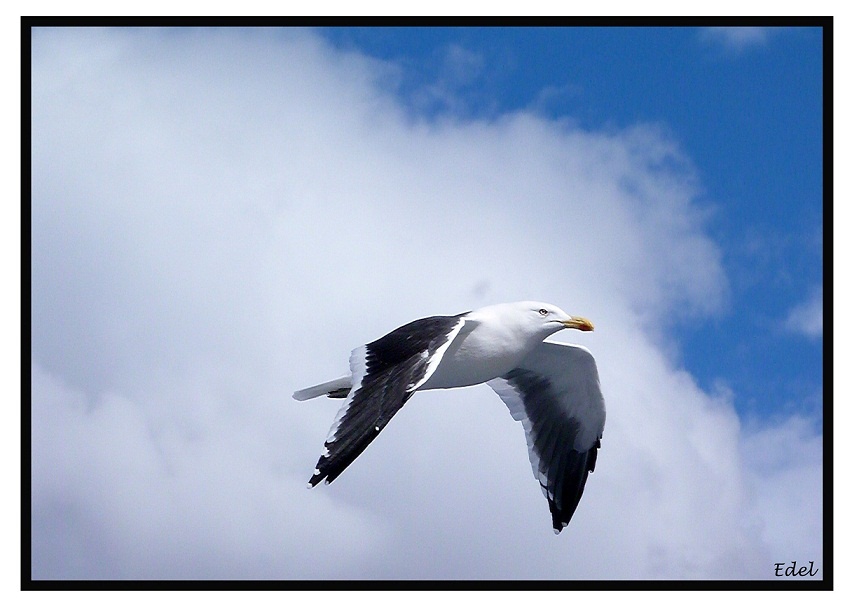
540	319
550	318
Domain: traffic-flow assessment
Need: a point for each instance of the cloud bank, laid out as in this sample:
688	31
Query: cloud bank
219	217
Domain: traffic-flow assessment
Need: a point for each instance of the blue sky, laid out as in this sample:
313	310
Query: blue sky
220	216
745	105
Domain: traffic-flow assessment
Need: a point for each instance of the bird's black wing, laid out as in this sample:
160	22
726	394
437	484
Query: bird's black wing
555	393
385	374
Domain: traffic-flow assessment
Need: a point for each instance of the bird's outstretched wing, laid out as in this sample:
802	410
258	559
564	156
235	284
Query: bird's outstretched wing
555	393
385	374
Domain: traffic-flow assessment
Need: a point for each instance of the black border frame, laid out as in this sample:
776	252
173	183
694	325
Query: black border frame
827	583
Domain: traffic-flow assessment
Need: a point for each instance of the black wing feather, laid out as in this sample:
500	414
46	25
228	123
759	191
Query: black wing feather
553	426
394	363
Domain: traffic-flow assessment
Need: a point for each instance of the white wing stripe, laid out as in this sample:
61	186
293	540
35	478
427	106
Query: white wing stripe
358	366
438	355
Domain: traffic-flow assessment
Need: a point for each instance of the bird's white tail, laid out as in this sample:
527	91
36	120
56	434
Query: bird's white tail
338	388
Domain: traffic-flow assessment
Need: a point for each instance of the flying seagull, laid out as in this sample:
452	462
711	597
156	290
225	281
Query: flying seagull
551	388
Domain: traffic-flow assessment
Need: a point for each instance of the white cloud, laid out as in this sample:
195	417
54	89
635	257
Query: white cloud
736	38
219	217
806	318
784	469
449	90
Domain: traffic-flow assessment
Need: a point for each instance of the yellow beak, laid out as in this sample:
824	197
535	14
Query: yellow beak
578	323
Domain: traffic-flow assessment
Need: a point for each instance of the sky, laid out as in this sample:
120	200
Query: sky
220	216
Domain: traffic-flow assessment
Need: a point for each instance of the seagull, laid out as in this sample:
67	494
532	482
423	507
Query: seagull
552	388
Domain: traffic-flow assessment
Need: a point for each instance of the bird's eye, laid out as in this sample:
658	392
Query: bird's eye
542	312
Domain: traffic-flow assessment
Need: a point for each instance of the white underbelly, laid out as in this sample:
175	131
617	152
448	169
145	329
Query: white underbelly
469	361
